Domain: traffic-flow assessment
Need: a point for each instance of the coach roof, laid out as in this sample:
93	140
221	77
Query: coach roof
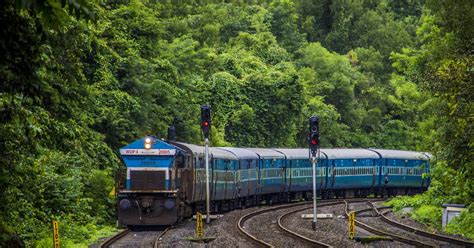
349	153
195	149
397	154
267	153
296	153
240	153
221	153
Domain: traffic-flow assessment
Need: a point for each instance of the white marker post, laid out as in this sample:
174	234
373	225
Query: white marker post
208	202
315	216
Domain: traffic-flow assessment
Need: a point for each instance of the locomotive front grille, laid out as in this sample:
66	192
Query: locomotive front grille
148	180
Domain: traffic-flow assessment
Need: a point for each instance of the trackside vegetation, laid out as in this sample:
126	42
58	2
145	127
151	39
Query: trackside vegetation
81	78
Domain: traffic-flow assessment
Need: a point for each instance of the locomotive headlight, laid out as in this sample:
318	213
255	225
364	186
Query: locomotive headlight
169	203
148	143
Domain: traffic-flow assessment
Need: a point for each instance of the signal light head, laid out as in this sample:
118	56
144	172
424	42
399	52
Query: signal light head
313	134
206	120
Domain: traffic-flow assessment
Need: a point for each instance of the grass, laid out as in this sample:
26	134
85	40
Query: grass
94	236
430	214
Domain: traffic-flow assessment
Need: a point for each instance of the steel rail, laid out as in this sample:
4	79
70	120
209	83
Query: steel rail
297	235
309	240
417	231
114	238
158	238
383	233
369	210
243	219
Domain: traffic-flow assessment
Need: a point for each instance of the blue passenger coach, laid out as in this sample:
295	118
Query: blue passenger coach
271	174
246	178
352	172
299	172
402	171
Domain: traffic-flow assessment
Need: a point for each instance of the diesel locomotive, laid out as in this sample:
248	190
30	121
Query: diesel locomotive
164	182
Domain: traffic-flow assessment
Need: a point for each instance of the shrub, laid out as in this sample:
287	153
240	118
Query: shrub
463	224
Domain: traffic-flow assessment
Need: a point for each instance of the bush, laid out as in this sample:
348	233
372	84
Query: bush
463	224
429	215
427	211
401	202
72	235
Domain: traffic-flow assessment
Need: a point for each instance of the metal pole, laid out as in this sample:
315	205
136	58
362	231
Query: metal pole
208	202
313	160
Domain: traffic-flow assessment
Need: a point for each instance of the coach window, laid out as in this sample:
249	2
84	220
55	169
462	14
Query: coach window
180	161
201	163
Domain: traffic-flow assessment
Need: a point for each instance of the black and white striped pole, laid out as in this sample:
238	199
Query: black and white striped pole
314	147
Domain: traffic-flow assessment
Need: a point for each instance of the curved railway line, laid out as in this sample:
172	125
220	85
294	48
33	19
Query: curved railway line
394	236
412	236
287	231
376	223
439	237
127	233
243	219
428	239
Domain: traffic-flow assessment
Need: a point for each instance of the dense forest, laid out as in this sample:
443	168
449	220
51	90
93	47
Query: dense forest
79	79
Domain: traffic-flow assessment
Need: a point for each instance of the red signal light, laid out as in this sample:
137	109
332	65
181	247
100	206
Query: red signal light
205	123
314	142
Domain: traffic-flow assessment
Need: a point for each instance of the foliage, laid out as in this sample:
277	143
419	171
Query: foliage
463	224
385	74
423	211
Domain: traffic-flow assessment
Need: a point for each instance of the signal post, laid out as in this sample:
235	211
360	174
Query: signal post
206	128
314	156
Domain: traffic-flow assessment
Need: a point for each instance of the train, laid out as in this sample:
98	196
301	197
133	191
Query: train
164	181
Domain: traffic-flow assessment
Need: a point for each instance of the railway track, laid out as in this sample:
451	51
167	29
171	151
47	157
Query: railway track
394	236
129	237
297	235
243	219
287	231
417	231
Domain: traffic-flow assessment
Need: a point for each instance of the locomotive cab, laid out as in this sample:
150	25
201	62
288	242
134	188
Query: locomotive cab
148	195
